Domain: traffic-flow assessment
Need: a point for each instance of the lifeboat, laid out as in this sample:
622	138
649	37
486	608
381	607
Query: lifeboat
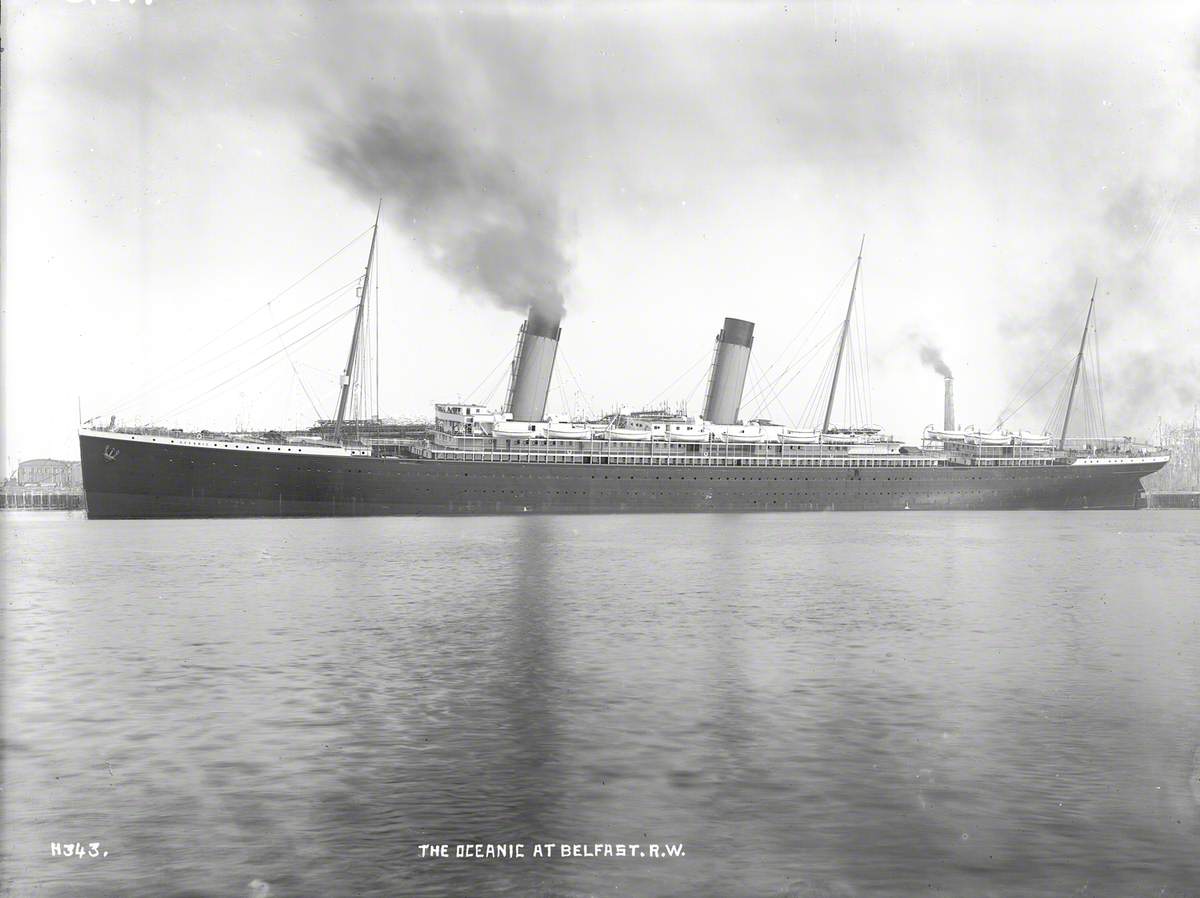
838	439
995	438
799	436
515	429
944	435
847	436
625	433
566	430
744	435
1034	439
687	433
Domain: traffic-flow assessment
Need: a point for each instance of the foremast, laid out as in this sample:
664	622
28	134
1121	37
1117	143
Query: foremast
347	375
1062	442
837	366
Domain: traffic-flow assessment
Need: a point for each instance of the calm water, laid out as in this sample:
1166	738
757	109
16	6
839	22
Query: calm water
813	705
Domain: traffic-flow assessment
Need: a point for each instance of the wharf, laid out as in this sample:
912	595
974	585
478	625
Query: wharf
1173	500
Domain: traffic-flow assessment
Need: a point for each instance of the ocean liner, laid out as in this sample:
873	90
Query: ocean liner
514	460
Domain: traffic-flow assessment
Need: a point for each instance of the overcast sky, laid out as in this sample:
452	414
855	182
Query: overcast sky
650	168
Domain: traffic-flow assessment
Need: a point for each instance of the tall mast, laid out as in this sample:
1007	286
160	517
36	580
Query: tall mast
1062	443
842	344
344	397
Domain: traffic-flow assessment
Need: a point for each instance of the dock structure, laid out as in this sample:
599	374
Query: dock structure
1177	485
44	484
1173	500
42	500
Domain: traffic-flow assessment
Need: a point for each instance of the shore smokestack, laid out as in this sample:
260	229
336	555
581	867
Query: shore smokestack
731	359
532	367
948	411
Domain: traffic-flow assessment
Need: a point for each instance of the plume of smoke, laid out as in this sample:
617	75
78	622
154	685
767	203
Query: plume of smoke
475	211
486	132
932	356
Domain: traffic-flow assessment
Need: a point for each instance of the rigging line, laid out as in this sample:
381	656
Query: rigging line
1047	360
1085	401
296	373
866	349
798	360
764	404
294	344
375	318
812	351
811	320
321	372
853	375
1060	403
755	371
1101	432
507	355
361	373
820	390
1047	382
570	403
800	352
850	398
774	399
197	400
757	388
265	332
763	397
707	354
844	396
768	398
1088	411
818	400
1005	414
754	376
1099	379
703	378
495	386
1093	408
358	392
263	361
287	401
1081	405
583	396
562	397
277	296
786	413
810	404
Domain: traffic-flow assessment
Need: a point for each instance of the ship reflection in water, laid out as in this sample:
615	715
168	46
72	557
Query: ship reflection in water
997	703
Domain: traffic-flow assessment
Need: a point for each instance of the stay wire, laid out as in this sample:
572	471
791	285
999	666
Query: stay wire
267	332
261	362
274	298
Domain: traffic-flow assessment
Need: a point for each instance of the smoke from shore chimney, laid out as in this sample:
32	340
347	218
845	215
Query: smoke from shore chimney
932	356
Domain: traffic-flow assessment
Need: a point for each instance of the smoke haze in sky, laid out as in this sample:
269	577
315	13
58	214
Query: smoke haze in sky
647	169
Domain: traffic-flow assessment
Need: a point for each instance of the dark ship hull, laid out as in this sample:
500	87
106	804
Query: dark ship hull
143	478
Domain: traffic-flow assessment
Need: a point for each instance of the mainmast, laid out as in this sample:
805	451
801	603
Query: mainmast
842	344
344	397
1062	443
